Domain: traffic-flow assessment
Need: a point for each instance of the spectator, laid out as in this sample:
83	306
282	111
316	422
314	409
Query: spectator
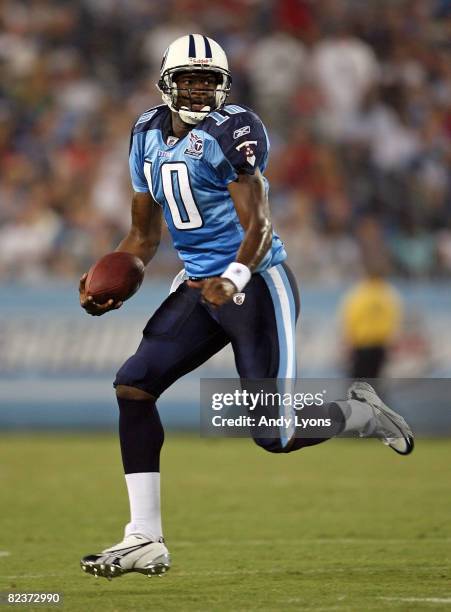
345	68
356	97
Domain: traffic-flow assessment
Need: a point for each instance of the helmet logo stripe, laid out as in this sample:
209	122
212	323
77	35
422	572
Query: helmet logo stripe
164	59
192	47
208	52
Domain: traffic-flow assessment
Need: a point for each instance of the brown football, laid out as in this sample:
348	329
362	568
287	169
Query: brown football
115	276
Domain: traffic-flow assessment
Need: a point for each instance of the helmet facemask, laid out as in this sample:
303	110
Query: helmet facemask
170	92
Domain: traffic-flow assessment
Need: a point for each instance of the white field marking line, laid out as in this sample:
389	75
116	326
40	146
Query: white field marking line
225	542
328	608
247	572
255	572
300	600
324	570
4	553
182	574
343	606
339	606
49	575
443	600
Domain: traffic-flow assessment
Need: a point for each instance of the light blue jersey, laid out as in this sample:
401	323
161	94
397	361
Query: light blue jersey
188	178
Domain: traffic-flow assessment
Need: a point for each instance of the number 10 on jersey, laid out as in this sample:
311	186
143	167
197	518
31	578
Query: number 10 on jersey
178	193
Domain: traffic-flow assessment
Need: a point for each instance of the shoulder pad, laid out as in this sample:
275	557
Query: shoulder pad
231	121
151	118
241	136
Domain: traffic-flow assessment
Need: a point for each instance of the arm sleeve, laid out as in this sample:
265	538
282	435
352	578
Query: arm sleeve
136	162
244	144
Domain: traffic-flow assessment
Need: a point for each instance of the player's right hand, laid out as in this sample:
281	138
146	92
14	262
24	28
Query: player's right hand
87	302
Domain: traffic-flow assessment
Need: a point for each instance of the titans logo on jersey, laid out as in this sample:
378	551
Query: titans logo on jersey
188	178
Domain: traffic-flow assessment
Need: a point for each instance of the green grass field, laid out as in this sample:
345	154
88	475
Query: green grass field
348	525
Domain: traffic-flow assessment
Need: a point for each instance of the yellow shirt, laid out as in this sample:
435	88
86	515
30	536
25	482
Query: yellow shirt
371	314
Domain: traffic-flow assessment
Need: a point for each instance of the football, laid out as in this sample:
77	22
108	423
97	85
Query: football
115	276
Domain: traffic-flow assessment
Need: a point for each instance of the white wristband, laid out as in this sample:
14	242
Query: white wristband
238	273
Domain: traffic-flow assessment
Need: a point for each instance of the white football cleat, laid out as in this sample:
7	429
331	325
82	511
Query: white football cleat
136	553
386	425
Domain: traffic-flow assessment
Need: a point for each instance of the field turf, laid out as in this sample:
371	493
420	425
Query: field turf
348	525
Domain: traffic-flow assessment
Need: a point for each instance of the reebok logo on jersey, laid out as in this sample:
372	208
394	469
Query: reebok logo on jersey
239	298
242	131
248	150
195	146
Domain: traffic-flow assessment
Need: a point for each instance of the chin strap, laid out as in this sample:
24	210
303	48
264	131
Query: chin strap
191	117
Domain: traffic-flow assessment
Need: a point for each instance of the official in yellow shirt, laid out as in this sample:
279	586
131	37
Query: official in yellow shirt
371	315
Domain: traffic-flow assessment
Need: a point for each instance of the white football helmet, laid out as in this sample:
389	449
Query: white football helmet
191	53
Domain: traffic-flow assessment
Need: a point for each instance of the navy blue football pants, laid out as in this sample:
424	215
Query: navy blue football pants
185	332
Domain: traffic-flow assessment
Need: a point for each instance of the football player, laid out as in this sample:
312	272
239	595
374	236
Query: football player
200	163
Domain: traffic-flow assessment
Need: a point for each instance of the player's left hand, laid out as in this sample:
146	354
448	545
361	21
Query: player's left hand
216	290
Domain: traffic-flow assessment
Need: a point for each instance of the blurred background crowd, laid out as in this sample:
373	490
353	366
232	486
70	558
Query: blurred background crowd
356	96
